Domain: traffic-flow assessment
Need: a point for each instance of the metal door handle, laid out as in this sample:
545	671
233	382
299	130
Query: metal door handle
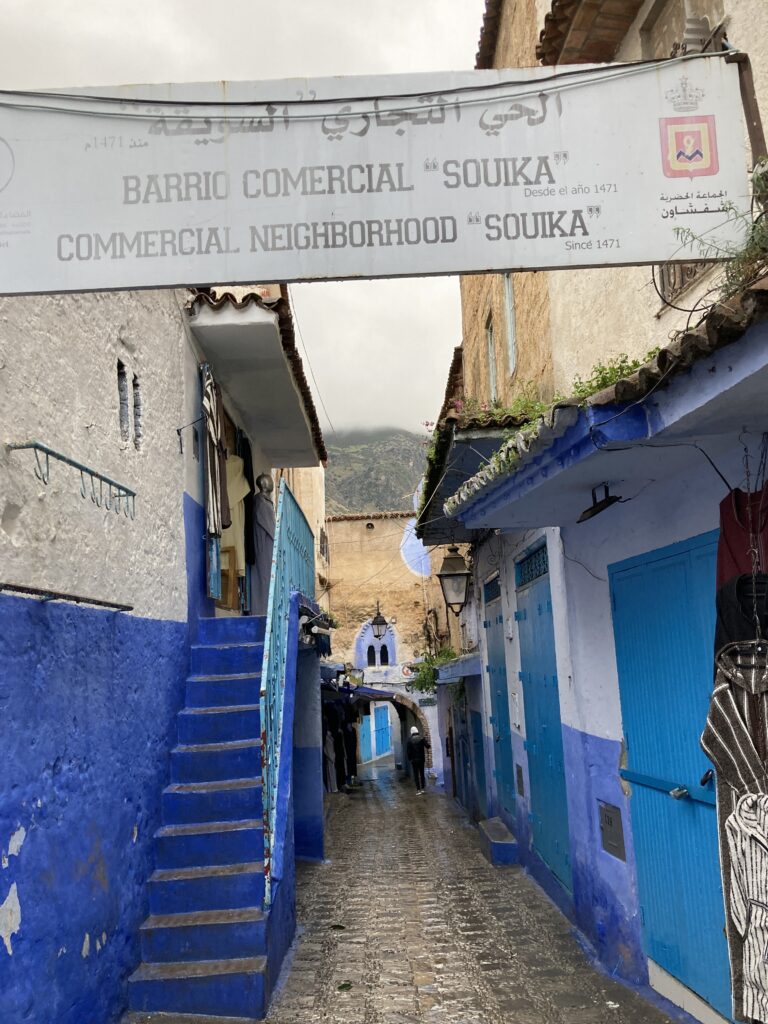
707	777
679	793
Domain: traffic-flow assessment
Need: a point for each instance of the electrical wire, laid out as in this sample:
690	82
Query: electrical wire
530	87
309	363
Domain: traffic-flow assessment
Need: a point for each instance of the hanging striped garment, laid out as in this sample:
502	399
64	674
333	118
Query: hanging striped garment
747	831
735	739
217	513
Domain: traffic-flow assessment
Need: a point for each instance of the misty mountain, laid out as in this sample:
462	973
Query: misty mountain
373	470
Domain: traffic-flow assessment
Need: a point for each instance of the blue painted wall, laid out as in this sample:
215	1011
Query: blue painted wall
604	890
199	605
308	761
87	705
413	552
365	638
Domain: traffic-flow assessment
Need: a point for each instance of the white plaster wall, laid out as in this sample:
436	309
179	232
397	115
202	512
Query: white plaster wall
58	385
668	511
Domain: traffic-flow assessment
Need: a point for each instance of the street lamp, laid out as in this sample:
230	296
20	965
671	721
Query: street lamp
379	624
454	579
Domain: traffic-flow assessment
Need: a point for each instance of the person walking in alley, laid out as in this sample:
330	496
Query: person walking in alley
416	749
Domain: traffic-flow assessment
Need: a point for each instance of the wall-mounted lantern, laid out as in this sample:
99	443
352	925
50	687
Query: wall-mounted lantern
598	504
379	624
454	579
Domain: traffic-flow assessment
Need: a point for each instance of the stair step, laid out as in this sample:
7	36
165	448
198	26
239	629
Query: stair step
149	1017
225	659
218	887
219	691
186	803
211	762
219	724
213	987
207	935
214	842
231	629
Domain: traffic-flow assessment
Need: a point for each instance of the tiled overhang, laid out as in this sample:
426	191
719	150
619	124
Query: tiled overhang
257	366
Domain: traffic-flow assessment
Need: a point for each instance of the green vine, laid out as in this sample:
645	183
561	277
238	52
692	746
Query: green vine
603	375
742	265
425	671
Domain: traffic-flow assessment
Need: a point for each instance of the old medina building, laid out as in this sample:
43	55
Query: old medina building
131	791
588	638
377	561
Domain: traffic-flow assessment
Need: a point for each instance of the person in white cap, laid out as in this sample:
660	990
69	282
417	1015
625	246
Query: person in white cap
416	750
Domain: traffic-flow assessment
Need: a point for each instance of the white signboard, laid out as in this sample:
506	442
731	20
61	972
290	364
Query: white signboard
369	177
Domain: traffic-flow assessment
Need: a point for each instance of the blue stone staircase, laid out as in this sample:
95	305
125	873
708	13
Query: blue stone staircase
204	945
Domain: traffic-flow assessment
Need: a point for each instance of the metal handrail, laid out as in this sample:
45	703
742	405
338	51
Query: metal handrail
293	571
56	595
43	473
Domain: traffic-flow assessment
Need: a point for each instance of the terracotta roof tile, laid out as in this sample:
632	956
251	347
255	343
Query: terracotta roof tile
724	325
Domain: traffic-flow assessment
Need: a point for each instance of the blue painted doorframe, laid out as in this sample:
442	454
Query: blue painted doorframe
543	728
366	746
497	680
381	726
664	618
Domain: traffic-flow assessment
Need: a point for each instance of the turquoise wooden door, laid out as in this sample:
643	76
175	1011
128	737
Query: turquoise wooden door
497	678
480	801
664	618
381	724
366	748
543	729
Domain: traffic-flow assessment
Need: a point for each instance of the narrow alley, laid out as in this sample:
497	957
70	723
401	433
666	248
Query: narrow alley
406	922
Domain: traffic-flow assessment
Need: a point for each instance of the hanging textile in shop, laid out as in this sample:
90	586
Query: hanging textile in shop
217	514
237	490
735	737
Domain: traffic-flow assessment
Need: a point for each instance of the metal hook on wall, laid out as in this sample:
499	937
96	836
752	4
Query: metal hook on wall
42	474
118	496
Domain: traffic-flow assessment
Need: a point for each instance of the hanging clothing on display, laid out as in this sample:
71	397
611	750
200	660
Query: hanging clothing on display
747	832
736	610
217	514
238	488
264	541
329	762
244	451
735	739
734	548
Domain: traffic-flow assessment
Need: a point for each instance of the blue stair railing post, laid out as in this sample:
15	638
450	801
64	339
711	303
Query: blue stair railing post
293	572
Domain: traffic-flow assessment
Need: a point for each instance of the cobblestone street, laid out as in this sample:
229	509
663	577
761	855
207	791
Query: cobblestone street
407	923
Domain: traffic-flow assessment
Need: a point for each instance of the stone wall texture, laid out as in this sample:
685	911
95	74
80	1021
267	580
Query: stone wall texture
58	385
367	565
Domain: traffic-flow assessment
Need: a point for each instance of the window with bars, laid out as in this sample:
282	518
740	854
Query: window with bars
532	566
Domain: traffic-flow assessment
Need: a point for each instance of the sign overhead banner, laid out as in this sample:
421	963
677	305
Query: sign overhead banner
370	177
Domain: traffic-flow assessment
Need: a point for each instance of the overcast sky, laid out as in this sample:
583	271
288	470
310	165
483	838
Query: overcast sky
380	351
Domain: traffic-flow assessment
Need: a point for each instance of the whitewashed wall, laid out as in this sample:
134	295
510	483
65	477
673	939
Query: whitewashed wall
58	385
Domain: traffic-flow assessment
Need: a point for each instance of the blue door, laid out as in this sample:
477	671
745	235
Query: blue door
381	724
497	677
480	801
366	751
543	729
664	620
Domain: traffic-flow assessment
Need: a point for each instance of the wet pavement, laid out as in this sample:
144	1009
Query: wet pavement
407	923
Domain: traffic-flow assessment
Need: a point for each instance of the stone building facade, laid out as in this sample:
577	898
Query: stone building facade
377	557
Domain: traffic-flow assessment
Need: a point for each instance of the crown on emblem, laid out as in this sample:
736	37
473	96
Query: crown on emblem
686	97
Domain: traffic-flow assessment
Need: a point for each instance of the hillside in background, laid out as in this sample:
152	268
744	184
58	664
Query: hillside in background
373	470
